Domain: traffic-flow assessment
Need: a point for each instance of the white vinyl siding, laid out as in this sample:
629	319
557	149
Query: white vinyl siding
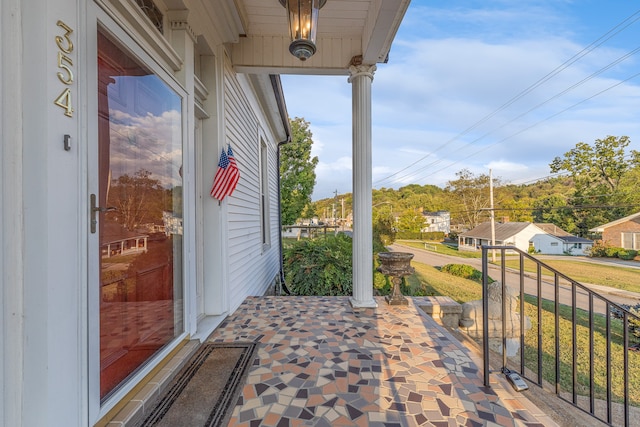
547	244
251	268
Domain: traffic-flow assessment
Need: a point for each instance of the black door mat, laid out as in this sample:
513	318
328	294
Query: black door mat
205	391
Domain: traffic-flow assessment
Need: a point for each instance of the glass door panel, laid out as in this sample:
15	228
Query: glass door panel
140	213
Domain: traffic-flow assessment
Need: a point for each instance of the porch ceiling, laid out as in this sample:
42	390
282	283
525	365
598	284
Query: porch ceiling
346	28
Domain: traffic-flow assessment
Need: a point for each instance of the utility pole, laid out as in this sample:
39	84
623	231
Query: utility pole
333	213
493	218
342	214
335	199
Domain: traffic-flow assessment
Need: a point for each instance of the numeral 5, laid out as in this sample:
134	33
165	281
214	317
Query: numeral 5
63	60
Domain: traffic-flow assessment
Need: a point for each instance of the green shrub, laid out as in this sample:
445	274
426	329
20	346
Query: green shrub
612	252
605	250
599	249
321	266
464	271
379	243
627	254
433	236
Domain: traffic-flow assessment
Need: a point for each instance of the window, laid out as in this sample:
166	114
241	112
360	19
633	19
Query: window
140	179
264	193
554	243
153	13
631	240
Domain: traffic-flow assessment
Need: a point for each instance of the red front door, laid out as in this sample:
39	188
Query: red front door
139	212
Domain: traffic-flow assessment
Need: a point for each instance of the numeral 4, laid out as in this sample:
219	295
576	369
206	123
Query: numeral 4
64	101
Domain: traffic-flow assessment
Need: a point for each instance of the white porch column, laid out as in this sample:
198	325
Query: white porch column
361	78
12	284
183	40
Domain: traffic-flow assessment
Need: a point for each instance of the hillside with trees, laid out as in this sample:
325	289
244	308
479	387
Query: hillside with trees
593	184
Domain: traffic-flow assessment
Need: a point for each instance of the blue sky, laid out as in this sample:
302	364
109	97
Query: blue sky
481	85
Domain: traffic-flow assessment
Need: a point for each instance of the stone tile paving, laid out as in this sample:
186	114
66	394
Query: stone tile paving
323	363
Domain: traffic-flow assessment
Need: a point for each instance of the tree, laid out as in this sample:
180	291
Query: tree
411	221
514	209
138	199
600	174
472	195
384	226
553	209
600	166
297	171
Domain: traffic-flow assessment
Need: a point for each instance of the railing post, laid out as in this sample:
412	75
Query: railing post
522	316
625	349
485	316
609	411
556	314
567	302
503	278
574	341
592	401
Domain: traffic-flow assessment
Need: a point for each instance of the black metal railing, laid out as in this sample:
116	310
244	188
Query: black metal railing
572	340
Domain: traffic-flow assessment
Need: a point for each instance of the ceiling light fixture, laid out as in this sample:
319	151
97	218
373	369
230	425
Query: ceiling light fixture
303	23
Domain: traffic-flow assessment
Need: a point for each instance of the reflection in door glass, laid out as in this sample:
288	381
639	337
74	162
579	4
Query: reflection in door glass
140	223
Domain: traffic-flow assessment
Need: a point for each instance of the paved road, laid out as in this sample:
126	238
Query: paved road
530	284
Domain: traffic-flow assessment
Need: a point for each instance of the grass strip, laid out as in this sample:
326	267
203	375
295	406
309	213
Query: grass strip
581	343
428	280
585	272
440	248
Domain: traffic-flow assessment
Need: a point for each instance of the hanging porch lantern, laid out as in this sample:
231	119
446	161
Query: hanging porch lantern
303	22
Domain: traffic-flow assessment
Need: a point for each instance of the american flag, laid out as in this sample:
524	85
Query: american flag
227	176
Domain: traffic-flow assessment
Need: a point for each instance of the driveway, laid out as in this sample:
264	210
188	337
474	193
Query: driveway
617	296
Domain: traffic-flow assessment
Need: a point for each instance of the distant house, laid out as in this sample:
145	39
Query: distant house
117	240
437	221
556	241
623	232
516	234
545	238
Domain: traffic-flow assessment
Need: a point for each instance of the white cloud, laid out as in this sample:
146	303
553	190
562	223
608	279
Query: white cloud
448	96
506	166
342	164
149	142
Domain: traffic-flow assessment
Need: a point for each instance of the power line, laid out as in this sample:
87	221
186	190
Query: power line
592	46
549	208
528	127
534	180
412	175
556	175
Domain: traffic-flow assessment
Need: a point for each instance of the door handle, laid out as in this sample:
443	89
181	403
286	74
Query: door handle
95	209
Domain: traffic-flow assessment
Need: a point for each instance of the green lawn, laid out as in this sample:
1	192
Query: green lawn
582	345
428	280
618	277
440	248
613	276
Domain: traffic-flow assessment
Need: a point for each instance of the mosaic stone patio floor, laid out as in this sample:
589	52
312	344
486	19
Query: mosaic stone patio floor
323	363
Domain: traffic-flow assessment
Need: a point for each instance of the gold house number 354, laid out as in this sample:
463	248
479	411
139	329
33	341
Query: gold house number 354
65	64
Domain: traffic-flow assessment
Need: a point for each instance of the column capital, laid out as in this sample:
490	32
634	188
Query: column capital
179	20
357	69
